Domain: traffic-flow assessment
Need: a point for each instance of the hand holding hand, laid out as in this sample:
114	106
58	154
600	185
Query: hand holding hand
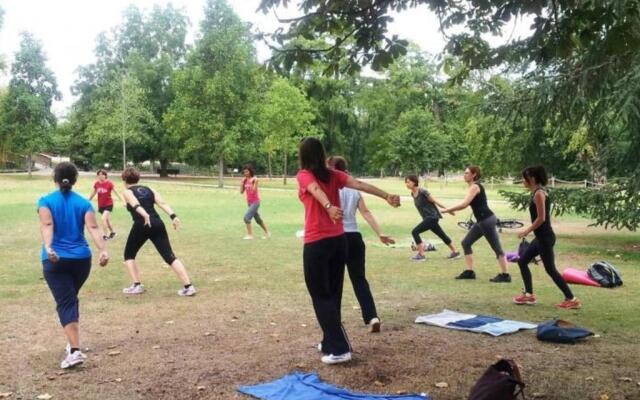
393	200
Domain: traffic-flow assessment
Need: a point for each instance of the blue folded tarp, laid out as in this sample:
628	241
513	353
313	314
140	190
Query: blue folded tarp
301	386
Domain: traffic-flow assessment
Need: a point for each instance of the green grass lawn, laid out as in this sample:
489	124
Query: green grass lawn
227	269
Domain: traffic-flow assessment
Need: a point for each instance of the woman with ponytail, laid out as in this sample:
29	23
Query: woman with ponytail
66	256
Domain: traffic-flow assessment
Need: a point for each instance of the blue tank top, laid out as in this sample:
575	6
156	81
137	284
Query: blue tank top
68	211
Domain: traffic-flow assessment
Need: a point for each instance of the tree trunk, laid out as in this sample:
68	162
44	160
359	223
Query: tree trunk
29	160
221	172
164	163
284	173
269	165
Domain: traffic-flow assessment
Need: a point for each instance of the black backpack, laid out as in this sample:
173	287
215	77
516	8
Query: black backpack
605	274
501	381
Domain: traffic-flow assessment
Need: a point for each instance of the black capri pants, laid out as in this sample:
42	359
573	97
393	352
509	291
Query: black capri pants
157	233
433	225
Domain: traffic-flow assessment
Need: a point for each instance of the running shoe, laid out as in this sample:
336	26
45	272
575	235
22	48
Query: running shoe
134	289
572	304
67	351
525	299
501	278
105	237
190	291
374	325
467	274
336	359
418	257
73	359
248	237
454	255
112	235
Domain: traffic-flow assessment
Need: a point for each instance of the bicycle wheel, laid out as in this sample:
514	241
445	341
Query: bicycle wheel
510	224
466	225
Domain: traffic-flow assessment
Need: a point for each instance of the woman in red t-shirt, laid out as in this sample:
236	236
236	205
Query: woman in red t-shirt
103	188
325	245
249	186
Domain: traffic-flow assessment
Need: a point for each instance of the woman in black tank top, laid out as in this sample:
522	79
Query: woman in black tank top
147	225
534	178
485	226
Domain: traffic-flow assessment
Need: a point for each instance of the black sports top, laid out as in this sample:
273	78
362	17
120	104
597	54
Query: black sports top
544	229
147	200
479	205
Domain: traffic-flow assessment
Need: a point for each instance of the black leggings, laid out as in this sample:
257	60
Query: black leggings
324	275
433	225
356	268
157	233
543	247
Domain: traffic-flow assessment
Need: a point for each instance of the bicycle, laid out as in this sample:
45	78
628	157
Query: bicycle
501	224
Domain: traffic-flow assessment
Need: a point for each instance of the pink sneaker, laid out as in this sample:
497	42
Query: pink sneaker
525	298
572	304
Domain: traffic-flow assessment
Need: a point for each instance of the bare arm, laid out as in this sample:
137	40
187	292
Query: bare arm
119	196
166	208
46	230
371	220
538	199
435	201
471	194
254	183
95	191
392	199
335	213
96	235
134	203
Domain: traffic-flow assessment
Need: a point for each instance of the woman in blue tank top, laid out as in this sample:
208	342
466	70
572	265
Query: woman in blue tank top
66	256
534	179
485	226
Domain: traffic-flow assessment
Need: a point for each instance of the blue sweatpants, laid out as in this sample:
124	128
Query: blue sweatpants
65	278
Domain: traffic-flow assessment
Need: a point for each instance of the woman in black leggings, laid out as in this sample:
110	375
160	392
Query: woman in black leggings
534	178
147	225
426	205
485	226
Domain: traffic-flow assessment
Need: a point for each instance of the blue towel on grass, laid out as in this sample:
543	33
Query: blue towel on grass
302	386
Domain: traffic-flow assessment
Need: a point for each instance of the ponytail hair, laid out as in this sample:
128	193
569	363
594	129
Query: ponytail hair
65	175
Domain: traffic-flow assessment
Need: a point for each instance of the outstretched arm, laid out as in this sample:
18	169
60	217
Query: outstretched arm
95	191
119	196
371	220
437	203
471	194
166	208
392	199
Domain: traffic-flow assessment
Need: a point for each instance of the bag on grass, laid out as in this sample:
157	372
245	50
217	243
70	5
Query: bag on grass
501	381
560	331
605	274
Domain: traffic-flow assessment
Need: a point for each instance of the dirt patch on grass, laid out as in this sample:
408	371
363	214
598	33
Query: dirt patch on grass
204	349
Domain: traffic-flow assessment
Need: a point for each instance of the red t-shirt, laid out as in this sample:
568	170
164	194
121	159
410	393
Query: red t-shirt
317	223
104	193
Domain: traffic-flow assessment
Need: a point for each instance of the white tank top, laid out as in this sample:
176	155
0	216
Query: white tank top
349	199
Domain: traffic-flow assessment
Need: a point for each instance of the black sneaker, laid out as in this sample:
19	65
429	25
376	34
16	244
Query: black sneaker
467	274
113	235
105	237
501	278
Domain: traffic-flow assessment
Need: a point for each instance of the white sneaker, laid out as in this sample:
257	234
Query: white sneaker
266	235
134	289
248	237
333	359
67	350
374	325
71	360
190	291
